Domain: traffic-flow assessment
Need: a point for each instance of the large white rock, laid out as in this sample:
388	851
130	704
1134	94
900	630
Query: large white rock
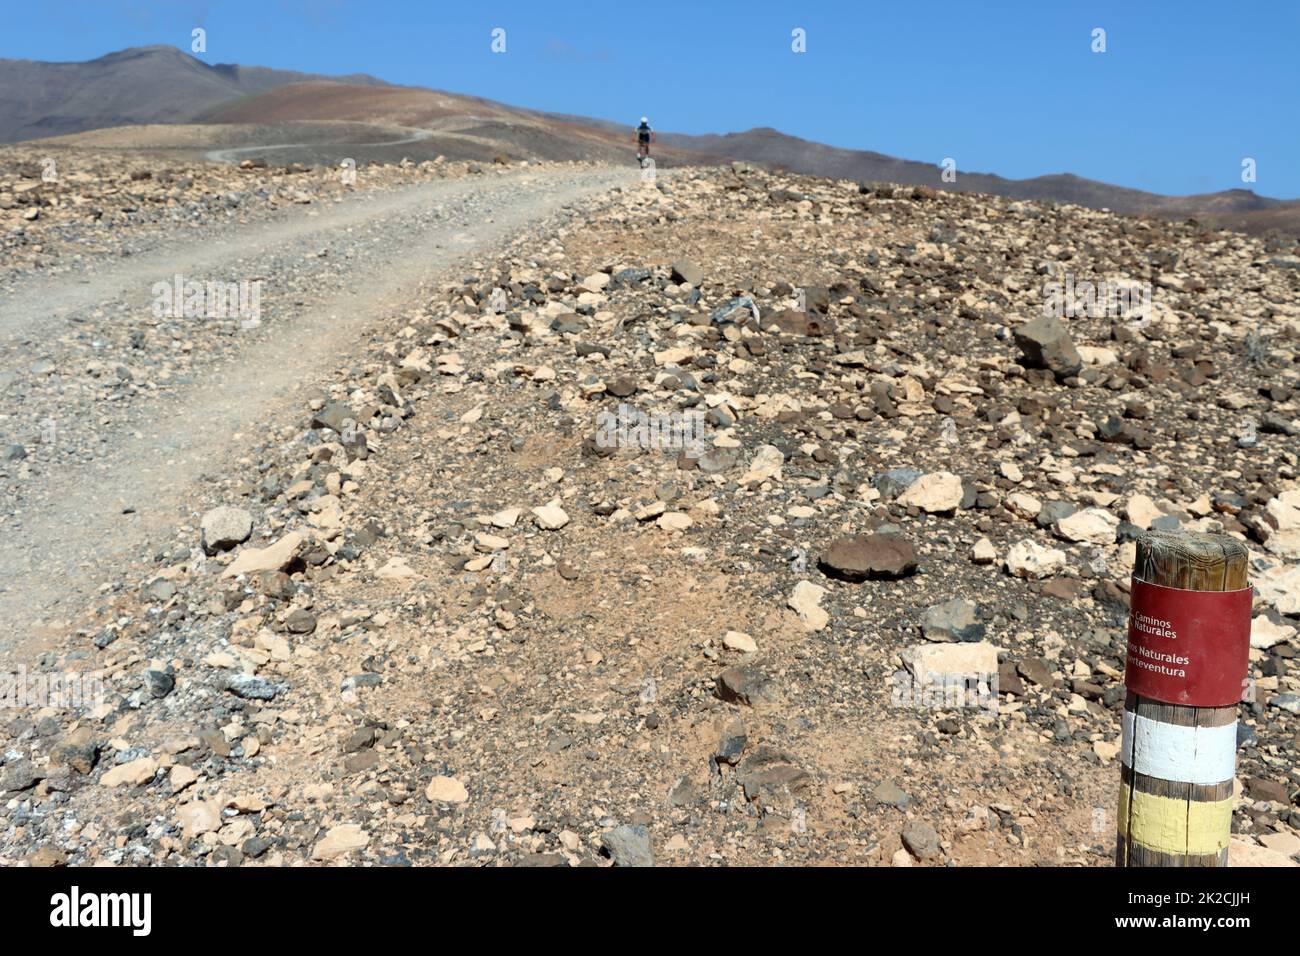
739	641
673	356
550	517
1282	517
1029	559
396	569
446	790
806	600
1286	843
340	841
1141	511
1244	852
935	492
766	464
507	518
199	817
223	528
1280	587
675	521
935	661
1023	505
276	557
134	773
490	542
1097	355
1264	633
1089	526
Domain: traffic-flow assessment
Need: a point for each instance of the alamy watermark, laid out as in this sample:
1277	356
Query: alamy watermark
948	431
182	299
75	909
945	691
631	427
1095	300
63	690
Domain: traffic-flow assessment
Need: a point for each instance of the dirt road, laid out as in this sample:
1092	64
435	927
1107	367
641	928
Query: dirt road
235	154
114	476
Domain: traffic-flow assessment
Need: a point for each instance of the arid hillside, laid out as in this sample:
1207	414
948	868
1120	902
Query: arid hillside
154	84
551	516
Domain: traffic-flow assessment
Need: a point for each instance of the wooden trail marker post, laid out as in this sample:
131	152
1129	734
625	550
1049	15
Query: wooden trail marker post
1188	649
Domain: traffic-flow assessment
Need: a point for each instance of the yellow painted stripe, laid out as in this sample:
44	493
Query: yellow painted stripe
1174	826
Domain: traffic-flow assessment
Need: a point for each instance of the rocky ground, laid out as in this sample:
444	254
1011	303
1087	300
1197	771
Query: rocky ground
435	615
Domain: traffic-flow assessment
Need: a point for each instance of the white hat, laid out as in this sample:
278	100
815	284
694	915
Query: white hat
644	120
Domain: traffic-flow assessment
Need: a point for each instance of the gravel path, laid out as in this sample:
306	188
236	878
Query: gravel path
27	313
124	459
233	155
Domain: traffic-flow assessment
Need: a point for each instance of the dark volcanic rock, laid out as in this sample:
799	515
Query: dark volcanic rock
1054	512
860	557
621	387
921	840
1261	789
1036	671
953	620
769	772
744	685
628	846
732	743
686	271
251	688
794	322
717	460
300	622
78	749
890	794
333	416
1045	343
894	482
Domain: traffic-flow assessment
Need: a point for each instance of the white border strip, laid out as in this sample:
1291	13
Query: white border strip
1206	755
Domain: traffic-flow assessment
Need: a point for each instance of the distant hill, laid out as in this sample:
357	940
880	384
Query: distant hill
1238	208
463	126
152	84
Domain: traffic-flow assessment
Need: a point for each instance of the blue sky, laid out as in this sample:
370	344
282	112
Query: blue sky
1185	90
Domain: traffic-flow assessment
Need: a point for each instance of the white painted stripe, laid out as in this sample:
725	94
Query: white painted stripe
1205	755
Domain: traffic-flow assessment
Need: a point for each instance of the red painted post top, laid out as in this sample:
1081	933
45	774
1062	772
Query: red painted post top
1188	647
